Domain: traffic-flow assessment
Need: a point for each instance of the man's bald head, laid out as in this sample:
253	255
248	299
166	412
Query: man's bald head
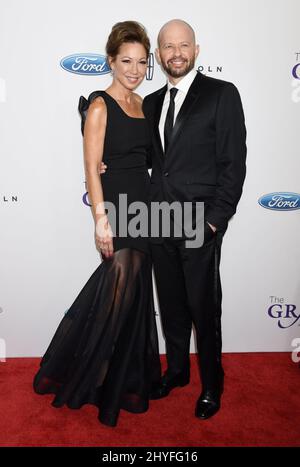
176	25
177	49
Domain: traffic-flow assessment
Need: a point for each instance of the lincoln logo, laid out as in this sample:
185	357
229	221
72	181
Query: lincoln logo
150	67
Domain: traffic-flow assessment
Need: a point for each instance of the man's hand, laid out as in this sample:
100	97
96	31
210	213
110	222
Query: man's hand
102	168
212	227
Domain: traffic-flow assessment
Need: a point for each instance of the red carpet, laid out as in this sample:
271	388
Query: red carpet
261	407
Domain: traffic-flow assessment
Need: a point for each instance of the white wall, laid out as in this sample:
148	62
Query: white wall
46	237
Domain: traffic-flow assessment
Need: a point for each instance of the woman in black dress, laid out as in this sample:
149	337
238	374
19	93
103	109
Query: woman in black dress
105	350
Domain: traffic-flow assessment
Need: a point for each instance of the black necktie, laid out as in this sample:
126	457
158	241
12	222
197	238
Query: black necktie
170	118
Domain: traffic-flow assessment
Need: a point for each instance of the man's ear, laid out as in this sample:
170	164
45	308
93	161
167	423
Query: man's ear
157	56
197	50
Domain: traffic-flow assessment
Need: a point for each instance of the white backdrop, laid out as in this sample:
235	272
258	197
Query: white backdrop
47	250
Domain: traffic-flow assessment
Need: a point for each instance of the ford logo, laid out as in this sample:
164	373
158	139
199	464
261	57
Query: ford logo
281	201
85	64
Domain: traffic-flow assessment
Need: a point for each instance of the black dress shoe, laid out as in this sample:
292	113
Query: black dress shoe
167	384
208	405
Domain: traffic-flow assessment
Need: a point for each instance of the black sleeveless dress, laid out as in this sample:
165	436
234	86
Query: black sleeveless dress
105	349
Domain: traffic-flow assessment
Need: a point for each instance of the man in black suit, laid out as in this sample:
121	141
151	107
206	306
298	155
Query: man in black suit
198	154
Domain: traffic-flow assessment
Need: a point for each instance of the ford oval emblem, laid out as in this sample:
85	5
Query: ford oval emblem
280	201
85	64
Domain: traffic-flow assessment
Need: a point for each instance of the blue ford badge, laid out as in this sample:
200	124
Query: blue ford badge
85	64
280	201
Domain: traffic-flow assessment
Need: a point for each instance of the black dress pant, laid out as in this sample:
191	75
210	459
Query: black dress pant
189	292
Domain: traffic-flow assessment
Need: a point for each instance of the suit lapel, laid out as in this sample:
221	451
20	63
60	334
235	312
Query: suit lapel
192	96
158	108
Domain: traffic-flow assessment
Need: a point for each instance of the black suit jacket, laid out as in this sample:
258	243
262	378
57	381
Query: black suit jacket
206	156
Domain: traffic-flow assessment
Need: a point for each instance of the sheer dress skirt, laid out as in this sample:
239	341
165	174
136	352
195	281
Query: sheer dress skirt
105	349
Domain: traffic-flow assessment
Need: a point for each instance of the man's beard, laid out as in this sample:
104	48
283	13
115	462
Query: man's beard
178	73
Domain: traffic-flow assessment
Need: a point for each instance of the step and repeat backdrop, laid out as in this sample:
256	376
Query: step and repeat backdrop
54	52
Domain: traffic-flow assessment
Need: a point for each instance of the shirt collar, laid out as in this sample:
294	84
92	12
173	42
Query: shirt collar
185	83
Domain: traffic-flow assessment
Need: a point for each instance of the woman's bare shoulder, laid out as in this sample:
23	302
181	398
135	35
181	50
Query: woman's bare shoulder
97	112
98	105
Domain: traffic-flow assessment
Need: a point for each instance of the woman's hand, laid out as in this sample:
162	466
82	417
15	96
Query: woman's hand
104	237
